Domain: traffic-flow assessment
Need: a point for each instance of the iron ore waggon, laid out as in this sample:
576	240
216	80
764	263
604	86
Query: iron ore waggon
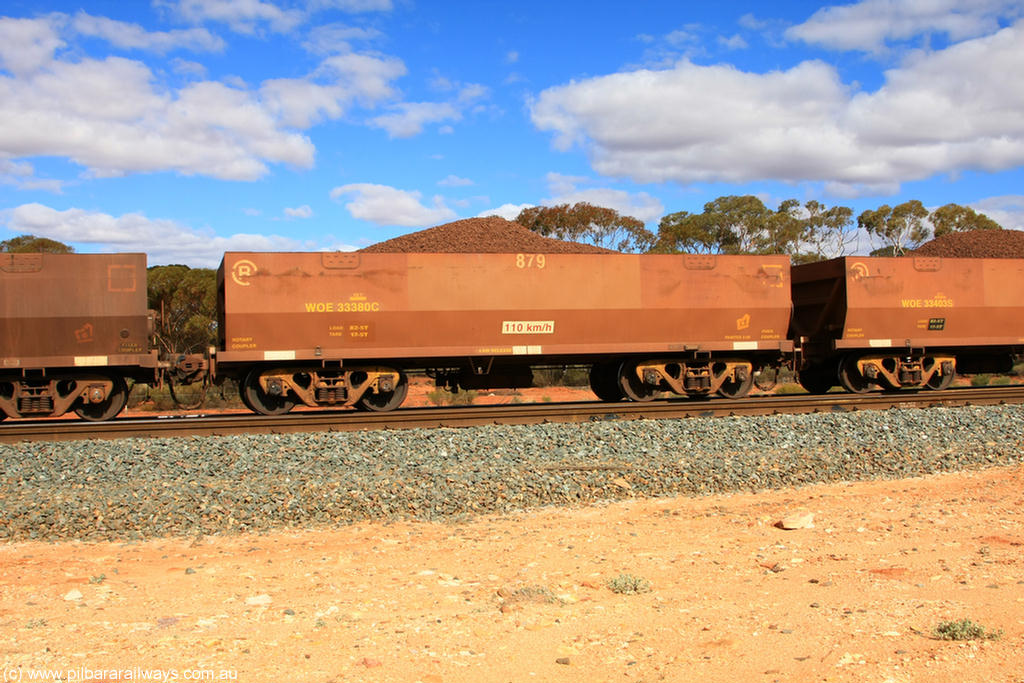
73	327
868	323
347	328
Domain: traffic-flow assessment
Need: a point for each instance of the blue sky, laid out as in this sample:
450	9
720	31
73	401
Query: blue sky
185	128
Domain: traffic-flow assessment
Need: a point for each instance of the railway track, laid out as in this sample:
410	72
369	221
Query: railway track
199	424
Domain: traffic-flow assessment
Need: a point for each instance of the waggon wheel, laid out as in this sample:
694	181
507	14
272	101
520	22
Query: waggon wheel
382	402
936	382
736	389
604	382
850	377
115	402
632	386
242	394
261	402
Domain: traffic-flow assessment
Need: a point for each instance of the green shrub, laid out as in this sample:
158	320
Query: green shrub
567	376
1000	381
443	397
787	389
627	584
965	629
981	380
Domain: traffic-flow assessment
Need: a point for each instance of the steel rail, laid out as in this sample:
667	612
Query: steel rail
197	424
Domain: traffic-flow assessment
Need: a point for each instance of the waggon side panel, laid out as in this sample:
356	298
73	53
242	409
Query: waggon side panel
284	306
919	302
73	310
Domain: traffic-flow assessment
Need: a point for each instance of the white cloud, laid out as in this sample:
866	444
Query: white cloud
303	211
939	112
26	45
134	36
336	38
367	75
110	117
1007	210
354	6
735	42
338	83
454	181
188	68
639	205
868	25
113	116
164	241
243	16
385	205
408	119
507	211
22	175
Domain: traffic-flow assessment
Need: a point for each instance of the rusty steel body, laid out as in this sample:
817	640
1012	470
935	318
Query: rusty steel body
910	315
494	314
70	317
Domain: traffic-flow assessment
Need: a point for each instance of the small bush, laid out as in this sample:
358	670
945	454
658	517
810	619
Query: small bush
1001	381
981	380
443	397
787	389
568	376
965	629
627	584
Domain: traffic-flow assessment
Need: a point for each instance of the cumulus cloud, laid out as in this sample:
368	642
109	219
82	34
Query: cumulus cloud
507	211
255	16
27	45
454	181
385	205
407	119
336	38
1007	210
870	24
566	190
243	16
22	175
354	6
165	241
134	36
113	116
304	211
938	112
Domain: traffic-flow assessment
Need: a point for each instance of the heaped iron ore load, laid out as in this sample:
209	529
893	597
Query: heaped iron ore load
491	235
72	328
975	244
345	328
905	322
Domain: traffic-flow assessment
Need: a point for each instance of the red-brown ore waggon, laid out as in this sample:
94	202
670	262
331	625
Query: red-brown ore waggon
73	327
346	328
890	323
